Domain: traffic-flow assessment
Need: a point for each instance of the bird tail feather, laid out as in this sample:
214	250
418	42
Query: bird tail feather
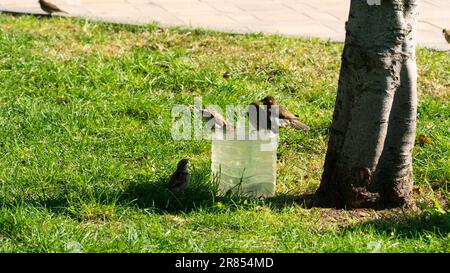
299	125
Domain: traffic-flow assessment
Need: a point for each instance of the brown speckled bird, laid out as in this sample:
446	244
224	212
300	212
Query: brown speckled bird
286	118
210	114
181	177
258	117
49	7
446	33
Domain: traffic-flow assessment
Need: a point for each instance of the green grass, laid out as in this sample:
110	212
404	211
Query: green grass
86	147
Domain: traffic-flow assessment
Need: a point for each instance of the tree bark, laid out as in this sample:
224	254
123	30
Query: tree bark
369	157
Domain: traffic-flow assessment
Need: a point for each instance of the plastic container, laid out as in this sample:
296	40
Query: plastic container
246	167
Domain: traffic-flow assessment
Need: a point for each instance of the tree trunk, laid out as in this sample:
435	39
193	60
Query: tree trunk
369	157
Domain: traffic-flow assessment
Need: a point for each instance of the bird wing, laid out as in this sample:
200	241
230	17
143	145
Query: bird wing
173	180
261	119
282	123
285	114
300	125
205	114
178	179
51	6
209	114
288	118
253	115
220	120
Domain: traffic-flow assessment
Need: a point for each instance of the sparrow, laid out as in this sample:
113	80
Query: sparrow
181	177
446	33
256	116
49	7
286	118
209	114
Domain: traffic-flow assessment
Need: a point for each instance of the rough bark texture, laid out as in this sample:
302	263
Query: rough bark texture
369	157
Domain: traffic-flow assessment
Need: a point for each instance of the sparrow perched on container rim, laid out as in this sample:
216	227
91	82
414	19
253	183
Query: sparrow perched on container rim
259	117
286	118
210	114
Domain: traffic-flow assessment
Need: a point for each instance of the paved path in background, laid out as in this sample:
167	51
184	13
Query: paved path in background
315	18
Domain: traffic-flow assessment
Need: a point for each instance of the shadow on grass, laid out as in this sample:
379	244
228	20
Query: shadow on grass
141	191
144	193
154	195
281	200
409	225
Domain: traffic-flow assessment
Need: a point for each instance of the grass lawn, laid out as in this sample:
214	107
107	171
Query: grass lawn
86	147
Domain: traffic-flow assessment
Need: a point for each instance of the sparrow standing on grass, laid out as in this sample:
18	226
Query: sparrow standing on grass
446	33
286	118
181	177
49	7
209	114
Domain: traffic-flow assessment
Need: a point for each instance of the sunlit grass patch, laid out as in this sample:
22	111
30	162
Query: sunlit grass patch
85	135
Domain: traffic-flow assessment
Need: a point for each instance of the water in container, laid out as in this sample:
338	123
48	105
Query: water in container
246	166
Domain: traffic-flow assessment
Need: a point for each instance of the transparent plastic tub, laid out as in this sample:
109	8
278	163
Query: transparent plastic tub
246	167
